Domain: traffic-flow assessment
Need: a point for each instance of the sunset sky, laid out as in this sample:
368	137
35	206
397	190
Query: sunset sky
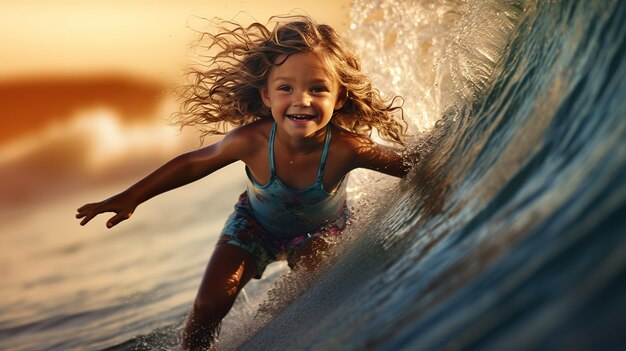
82	85
136	37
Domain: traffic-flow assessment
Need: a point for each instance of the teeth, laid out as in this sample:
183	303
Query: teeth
301	117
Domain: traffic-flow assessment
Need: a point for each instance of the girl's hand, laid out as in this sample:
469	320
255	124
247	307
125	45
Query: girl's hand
121	206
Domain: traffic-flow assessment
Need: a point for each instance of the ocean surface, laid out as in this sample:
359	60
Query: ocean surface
509	234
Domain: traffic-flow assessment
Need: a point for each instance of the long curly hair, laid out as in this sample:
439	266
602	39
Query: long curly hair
224	90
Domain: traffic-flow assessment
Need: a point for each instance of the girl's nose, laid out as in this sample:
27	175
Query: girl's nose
302	99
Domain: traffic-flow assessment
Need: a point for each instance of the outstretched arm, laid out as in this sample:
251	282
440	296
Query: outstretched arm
181	170
382	159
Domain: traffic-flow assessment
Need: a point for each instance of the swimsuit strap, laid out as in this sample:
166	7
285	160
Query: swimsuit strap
320	172
272	137
324	153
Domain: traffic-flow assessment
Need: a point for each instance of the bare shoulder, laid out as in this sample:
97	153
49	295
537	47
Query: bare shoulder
362	152
347	143
355	145
247	139
242	144
258	129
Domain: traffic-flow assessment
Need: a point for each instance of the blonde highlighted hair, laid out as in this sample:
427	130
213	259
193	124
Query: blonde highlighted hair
225	90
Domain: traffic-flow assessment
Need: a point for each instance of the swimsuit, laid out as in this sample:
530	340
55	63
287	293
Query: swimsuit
273	221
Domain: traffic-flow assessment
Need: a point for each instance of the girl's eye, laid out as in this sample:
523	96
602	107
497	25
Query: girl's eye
284	88
319	89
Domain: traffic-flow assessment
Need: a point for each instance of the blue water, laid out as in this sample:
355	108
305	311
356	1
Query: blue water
509	234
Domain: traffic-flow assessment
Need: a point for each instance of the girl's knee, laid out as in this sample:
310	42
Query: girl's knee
214	303
218	299
229	270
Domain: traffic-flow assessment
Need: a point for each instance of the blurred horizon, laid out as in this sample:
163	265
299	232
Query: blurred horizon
84	87
132	38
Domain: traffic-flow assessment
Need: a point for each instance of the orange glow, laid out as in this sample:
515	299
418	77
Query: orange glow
132	37
33	104
82	85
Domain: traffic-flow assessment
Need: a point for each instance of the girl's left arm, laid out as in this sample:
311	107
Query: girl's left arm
381	158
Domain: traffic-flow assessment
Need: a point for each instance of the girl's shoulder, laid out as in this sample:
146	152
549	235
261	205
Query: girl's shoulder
259	129
349	141
360	151
346	147
248	138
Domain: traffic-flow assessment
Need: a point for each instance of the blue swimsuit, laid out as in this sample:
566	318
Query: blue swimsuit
273	220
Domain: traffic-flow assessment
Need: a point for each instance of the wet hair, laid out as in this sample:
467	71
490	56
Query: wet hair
224	90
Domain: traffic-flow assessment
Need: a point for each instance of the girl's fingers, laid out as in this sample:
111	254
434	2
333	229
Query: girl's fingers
87	218
121	216
89	211
82	213
85	210
86	207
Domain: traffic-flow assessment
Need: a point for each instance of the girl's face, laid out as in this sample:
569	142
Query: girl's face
302	95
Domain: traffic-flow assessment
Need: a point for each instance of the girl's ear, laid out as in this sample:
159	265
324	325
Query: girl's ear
341	99
265	96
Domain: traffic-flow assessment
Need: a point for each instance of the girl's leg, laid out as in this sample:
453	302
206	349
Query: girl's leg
229	269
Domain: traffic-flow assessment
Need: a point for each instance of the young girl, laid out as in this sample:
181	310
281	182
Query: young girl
304	112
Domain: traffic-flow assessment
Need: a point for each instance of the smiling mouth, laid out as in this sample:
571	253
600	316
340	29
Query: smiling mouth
301	117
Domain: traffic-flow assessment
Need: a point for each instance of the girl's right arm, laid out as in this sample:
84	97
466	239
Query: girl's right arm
181	170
